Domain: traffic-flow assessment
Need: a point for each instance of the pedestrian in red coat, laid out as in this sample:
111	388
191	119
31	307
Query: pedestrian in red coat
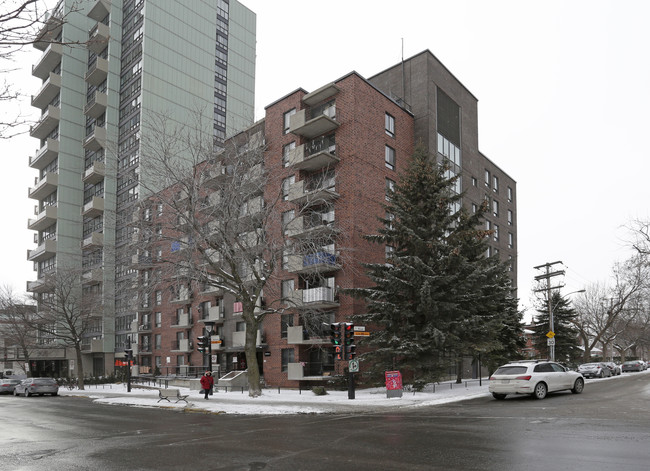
207	381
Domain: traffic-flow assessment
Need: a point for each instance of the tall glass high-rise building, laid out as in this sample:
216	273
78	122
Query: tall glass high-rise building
109	67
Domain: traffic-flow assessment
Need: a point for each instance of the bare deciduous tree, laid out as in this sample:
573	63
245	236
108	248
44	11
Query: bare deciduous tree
15	329
66	315
603	310
222	223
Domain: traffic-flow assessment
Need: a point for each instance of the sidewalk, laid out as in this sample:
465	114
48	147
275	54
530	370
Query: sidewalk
285	401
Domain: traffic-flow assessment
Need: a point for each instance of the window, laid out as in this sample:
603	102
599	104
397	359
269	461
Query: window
286	153
287	357
495	234
287	120
510	217
158	319
474	208
158	341
287	217
390	158
287	289
389	251
495	208
474	181
509	195
390	125
511	240
286	183
390	187
495	184
487	178
158	298
285	322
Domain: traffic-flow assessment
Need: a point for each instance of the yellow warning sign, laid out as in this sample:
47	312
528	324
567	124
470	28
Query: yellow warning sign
550	334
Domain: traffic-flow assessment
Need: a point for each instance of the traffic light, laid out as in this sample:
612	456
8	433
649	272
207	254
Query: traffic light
203	344
348	341
337	340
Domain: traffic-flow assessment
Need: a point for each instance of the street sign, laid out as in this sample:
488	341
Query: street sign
359	328
353	366
550	342
550	334
362	334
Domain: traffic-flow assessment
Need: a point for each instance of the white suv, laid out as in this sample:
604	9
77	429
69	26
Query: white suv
535	377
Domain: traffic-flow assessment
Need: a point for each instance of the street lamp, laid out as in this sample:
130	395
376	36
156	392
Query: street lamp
551	325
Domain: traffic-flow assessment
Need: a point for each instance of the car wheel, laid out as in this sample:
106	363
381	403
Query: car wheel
15	393
602	374
578	386
55	394
540	391
499	397
26	394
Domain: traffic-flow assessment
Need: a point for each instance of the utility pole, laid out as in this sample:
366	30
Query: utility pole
547	276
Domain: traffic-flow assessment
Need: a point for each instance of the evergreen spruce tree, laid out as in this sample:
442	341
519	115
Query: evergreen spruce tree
437	296
566	335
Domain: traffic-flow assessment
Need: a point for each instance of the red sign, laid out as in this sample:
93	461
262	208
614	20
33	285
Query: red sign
393	380
123	363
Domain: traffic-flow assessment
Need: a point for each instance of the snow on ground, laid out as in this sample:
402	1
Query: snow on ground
284	401
289	401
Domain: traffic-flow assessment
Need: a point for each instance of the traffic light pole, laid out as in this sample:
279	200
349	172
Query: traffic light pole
350	385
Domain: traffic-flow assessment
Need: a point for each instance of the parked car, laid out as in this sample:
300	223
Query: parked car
614	368
534	377
37	386
7	385
633	365
594	370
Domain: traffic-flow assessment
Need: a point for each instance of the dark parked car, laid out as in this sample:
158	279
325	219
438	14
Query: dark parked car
37	386
633	365
594	370
8	385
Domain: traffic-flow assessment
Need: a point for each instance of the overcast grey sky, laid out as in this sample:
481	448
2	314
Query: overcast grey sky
563	90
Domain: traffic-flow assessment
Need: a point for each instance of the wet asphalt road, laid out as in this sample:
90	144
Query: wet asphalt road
605	428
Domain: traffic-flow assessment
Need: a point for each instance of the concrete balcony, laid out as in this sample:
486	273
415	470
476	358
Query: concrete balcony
94	208
98	37
44	186
304	194
320	95
44	251
215	314
239	339
182	345
48	122
309	371
96	105
182	321
140	261
319	262
38	286
297	336
313	157
96	139
312	226
144	328
92	345
99	10
45	219
48	32
97	72
94	240
45	155
92	277
184	296
50	89
313	298
50	59
95	173
313	122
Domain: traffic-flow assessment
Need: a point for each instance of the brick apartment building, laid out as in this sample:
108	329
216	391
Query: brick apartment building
337	149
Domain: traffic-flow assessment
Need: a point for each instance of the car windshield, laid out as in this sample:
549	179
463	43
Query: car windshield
590	365
511	370
630	363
